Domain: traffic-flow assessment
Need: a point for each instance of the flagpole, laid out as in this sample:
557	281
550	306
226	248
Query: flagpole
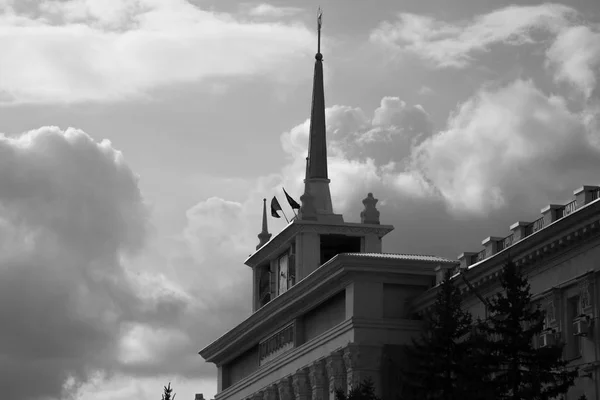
285	216
286	195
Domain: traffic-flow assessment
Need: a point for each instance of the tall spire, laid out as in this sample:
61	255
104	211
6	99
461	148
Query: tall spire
316	188
317	146
264	236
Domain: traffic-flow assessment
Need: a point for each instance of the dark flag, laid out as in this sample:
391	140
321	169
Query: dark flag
292	202
275	207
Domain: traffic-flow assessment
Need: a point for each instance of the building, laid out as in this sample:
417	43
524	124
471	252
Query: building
331	309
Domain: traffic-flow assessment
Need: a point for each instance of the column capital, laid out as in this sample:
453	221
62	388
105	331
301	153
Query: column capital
336	372
363	362
285	389
301	385
318	380
270	393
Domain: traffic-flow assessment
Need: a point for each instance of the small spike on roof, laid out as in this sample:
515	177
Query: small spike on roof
264	236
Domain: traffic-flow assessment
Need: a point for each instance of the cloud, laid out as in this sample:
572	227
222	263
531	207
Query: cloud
575	56
71	214
269	11
453	45
96	50
506	142
425	91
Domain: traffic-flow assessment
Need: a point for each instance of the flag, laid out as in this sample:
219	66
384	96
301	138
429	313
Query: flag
292	202
275	207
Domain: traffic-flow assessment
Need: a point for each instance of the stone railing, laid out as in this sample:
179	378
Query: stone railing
276	344
550	214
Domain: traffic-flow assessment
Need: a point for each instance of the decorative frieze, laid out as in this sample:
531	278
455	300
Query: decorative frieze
285	389
336	373
302	389
318	380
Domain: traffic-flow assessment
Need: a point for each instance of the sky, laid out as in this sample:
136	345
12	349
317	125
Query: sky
138	139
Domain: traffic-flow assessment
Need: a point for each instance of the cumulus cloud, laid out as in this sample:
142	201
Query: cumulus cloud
506	142
96	50
575	55
454	45
71	213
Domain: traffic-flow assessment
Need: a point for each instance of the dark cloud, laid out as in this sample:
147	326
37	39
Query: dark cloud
70	211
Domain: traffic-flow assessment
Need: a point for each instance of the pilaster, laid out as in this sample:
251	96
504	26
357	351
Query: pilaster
318	380
301	385
336	373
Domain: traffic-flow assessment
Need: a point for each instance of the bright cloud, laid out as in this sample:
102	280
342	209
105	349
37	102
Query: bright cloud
454	44
269	11
96	50
505	142
576	57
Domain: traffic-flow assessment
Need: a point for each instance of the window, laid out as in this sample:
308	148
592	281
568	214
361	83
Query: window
264	286
283	273
573	347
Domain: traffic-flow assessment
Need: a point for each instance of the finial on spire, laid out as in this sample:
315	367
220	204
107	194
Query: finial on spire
264	236
319	56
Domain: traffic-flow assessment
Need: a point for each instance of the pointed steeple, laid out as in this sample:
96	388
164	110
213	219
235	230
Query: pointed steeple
264	236
317	144
316	188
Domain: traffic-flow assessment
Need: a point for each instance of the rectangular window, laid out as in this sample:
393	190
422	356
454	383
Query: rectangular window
283	270
573	347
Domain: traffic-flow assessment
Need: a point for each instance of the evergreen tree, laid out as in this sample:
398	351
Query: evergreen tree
364	391
168	390
523	372
439	364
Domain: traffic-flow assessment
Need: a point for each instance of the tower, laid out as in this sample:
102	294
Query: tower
321	293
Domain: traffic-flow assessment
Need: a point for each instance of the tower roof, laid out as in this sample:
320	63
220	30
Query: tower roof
317	144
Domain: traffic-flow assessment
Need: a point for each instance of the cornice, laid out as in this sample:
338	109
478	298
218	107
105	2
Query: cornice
557	238
321	284
273	246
